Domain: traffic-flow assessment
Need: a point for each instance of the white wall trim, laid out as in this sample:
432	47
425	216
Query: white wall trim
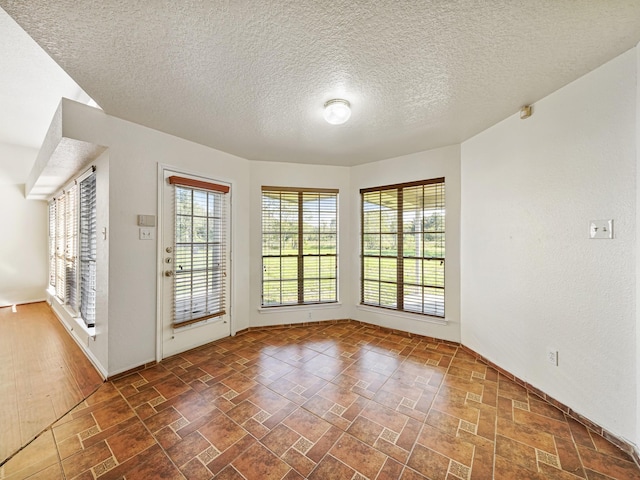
80	335
162	168
290	308
408	315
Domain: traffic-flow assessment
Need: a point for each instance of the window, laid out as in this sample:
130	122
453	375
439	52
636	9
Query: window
52	243
71	247
403	247
88	249
199	259
60	208
299	246
72	240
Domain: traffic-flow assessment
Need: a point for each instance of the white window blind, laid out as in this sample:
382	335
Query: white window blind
71	247
52	243
199	252
299	246
88	239
403	247
60	246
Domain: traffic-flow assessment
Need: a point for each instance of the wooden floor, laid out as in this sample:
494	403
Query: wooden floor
43	374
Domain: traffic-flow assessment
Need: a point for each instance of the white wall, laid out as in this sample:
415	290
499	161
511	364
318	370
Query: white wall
531	277
134	155
637	292
312	176
94	341
441	162
23	231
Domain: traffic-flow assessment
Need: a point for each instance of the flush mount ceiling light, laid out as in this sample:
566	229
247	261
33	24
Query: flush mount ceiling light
337	111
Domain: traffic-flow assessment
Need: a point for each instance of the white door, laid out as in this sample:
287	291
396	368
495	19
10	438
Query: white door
195	255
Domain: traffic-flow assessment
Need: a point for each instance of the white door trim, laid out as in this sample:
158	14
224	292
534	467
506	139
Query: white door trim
162	167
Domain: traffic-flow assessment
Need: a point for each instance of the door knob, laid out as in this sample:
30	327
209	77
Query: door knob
168	273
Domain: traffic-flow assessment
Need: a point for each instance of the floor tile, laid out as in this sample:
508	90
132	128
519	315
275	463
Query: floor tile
608	465
330	468
506	470
516	452
157	465
322	402
94	457
447	445
126	443
360	457
258	462
428	463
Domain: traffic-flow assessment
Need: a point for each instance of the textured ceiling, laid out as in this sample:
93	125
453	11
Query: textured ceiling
251	77
31	85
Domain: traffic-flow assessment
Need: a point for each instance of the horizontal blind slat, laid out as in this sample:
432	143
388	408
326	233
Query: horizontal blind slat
199	253
299	227
88	251
403	246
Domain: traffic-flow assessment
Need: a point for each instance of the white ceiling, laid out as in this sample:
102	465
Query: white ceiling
31	85
251	77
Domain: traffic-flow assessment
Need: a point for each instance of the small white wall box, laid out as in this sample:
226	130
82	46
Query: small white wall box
146	220
601	229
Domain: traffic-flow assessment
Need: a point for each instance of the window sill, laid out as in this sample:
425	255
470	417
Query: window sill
77	320
294	308
406	315
208	321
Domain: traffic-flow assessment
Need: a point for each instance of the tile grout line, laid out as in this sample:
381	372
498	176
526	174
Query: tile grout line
404	466
49	427
575	444
55	442
145	425
495	428
429	411
312	413
423	423
413	446
404	360
319	417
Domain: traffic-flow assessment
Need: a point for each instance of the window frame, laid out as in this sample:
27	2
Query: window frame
430	279
87	247
210	294
65	282
301	256
60	241
52	243
71	252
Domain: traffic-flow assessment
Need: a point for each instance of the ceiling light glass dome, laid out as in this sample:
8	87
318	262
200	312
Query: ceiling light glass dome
337	111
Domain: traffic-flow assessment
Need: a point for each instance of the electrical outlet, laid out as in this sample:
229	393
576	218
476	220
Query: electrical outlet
552	356
309	317
146	234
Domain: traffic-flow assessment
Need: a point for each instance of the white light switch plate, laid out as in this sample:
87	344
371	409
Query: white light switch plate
601	229
146	220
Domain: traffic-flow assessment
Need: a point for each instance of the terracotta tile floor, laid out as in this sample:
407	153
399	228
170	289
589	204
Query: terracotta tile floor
323	402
